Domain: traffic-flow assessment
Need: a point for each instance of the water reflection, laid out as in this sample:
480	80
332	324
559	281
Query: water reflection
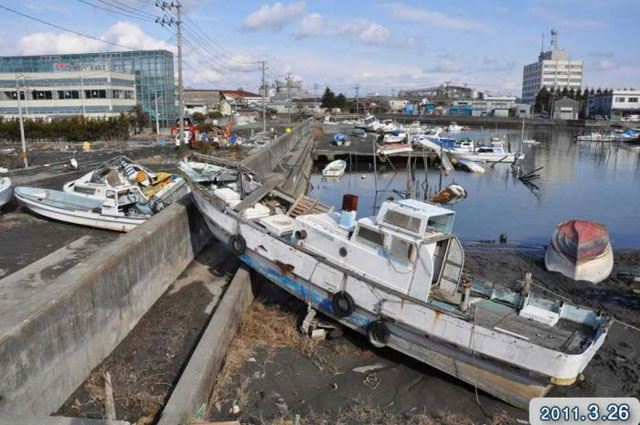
594	181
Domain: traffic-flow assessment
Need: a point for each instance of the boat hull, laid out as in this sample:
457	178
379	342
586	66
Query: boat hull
83	218
5	191
506	158
595	270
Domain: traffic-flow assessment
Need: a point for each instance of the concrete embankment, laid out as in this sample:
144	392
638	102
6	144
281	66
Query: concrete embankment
52	340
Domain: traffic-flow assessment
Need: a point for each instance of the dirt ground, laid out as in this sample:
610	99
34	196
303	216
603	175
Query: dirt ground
145	366
273	373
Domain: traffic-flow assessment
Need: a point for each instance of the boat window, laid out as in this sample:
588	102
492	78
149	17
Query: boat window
439	223
111	194
404	221
371	236
401	248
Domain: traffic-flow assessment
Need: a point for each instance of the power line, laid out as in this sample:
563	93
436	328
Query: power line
65	29
212	57
231	55
114	11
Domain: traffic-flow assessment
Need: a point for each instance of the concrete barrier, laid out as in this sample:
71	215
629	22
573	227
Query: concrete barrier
58	335
265	160
192	392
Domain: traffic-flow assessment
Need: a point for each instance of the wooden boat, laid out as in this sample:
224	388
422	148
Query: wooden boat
394	148
5	190
121	173
335	168
580	249
121	213
397	279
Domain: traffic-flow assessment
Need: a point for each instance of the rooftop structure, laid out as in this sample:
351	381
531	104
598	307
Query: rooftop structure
553	69
153	70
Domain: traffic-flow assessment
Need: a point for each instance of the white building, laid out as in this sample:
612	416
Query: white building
616	102
49	95
553	69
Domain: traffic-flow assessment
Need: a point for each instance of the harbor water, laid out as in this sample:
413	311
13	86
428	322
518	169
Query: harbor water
593	181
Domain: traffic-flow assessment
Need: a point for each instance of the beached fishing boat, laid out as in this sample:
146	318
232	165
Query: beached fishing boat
397	278
122	213
121	173
335	168
394	137
394	148
580	249
5	190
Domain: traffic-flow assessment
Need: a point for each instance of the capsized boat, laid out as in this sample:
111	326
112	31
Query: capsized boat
121	173
335	168
467	165
5	190
394	148
397	278
122	212
450	195
580	250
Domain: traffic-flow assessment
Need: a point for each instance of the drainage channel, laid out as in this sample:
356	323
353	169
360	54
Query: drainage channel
145	367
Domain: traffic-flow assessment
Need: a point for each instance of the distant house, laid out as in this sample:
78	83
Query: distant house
566	109
241	97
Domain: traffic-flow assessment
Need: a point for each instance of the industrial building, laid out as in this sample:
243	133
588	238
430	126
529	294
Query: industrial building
552	70
52	95
152	70
442	95
621	103
495	106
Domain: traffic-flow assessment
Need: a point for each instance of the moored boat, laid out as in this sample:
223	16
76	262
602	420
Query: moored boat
397	278
394	148
580	250
335	168
5	190
121	213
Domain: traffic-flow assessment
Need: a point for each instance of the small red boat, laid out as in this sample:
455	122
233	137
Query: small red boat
580	249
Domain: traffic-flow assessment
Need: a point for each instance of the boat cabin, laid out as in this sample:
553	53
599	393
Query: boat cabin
408	247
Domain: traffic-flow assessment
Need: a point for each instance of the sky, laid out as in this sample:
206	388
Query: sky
380	46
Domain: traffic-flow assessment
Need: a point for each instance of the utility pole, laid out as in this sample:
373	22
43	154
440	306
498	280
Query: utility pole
157	122
357	100
264	95
289	95
22	140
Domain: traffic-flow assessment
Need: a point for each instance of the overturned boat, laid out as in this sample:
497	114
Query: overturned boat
397	278
580	250
122	212
5	190
121	173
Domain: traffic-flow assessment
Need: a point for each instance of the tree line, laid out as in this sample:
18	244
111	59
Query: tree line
330	100
546	97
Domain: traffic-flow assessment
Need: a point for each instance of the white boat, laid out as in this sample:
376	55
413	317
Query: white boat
335	168
454	128
580	250
329	120
452	194
121	173
467	165
493	152
394	148
121	213
595	137
5	190
394	137
397	278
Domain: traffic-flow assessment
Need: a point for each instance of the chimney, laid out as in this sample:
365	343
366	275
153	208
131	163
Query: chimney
349	211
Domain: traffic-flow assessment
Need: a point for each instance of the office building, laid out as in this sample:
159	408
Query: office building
52	95
153	71
554	69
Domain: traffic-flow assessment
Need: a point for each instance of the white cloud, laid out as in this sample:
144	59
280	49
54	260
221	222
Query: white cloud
274	16
606	65
122	32
368	32
573	22
432	18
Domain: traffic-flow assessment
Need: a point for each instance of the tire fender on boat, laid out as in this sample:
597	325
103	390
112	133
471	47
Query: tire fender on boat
343	304
378	334
237	244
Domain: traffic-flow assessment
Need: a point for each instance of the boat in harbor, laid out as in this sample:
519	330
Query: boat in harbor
119	173
394	137
5	190
122	212
580	250
397	278
492	152
467	165
452	194
454	128
341	139
335	168
394	148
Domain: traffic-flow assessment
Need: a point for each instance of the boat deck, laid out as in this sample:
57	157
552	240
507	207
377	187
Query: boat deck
566	336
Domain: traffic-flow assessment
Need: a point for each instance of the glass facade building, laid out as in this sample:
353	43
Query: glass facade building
153	70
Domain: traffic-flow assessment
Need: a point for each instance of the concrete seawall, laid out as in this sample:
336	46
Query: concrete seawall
50	343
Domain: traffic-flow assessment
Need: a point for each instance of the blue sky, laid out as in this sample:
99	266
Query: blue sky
380	45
